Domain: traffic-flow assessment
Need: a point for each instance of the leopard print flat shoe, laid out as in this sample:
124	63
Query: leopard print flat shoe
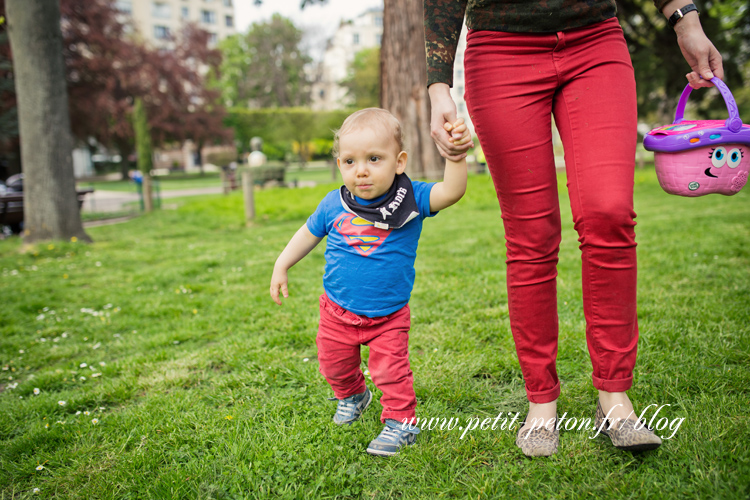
627	437
539	442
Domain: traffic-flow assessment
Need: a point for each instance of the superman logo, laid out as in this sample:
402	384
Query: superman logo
360	234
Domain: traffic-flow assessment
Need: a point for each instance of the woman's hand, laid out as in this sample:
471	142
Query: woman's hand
444	112
697	49
699	53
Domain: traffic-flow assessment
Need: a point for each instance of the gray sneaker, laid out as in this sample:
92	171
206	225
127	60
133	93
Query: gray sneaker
392	438
351	408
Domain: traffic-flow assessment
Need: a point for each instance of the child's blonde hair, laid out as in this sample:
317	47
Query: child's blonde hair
369	117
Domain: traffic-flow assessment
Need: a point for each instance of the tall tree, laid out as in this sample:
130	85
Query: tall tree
265	67
363	81
403	82
50	201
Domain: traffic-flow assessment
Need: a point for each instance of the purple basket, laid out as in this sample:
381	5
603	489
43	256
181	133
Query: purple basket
699	157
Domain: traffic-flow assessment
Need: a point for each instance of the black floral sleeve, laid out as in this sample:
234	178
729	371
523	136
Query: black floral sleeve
442	27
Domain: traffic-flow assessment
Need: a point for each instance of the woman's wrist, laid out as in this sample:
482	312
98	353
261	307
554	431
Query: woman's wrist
438	90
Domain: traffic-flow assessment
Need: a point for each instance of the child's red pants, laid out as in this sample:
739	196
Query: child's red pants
340	335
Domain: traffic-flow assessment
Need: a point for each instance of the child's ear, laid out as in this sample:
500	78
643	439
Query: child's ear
401	162
338	162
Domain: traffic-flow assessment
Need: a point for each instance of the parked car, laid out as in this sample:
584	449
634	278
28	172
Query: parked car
11	203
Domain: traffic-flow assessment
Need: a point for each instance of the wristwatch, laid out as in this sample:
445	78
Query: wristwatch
680	13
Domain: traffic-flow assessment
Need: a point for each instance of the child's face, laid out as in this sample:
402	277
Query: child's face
369	160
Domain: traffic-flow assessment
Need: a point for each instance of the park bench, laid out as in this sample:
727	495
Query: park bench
11	208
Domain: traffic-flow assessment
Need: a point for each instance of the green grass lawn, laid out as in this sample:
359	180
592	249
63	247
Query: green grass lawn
181	379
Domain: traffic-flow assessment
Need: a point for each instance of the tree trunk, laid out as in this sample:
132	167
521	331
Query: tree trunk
403	83
50	202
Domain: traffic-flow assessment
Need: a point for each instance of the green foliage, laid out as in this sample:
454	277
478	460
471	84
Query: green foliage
363	82
264	67
281	128
142	137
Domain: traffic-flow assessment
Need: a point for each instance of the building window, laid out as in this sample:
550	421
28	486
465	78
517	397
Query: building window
379	39
208	16
227	3
229	21
161	10
125	6
212	39
356	38
185	13
378	21
161	32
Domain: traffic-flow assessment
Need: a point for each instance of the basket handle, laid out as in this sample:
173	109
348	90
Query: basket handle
733	123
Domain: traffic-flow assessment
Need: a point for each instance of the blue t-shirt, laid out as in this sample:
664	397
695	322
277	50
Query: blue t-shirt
369	271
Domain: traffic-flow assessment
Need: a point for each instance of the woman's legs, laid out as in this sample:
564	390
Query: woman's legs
514	82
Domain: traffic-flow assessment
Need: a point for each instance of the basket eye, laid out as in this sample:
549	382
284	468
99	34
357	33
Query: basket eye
719	157
734	158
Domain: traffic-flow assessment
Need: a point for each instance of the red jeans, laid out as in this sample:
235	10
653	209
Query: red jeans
514	83
340	335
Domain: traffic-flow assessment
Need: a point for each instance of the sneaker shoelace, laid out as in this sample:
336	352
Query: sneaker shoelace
347	407
390	434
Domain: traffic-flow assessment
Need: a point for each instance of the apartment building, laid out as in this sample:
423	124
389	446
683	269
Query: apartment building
157	19
363	32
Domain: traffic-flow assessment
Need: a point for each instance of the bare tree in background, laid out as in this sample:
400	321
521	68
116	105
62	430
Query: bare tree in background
403	83
50	203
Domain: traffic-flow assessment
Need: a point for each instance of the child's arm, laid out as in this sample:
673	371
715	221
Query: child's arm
453	187
300	245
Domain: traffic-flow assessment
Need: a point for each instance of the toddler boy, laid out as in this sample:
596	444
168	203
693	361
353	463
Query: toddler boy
373	223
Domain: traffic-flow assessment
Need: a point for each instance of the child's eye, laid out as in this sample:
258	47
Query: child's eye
374	158
349	161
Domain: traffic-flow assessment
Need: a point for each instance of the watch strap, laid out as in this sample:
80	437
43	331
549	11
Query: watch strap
680	13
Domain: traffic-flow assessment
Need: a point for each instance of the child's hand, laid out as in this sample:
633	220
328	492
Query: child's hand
459	132
279	282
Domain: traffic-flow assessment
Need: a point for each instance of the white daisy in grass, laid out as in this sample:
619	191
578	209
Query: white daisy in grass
102	363
87	412
46	426
82	379
62	403
305	360
36	491
94	375
94	421
36	390
83	365
78	412
21	351
39	467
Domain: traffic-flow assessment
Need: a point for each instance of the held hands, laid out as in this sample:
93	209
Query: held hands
444	113
459	133
279	282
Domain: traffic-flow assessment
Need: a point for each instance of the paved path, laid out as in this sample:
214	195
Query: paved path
122	201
